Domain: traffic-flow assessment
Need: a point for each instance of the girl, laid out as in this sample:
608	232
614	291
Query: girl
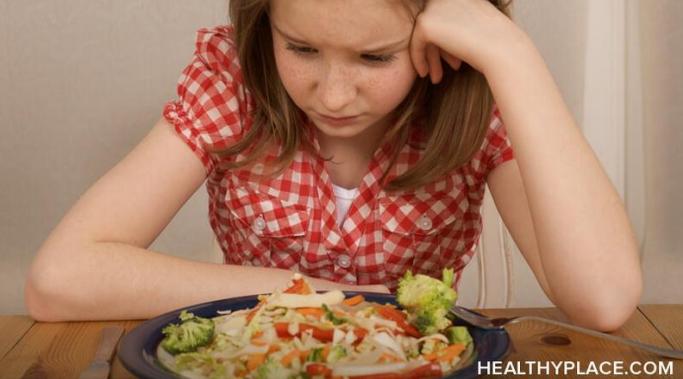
349	141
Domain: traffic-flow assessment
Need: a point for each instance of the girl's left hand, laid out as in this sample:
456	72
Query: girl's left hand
474	31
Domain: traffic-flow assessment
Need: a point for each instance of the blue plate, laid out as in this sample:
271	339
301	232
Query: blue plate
137	350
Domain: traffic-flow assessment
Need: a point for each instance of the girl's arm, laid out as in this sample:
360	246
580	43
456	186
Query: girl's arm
555	198
94	265
584	242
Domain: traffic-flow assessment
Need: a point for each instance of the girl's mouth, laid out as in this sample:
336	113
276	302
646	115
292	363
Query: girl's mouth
338	121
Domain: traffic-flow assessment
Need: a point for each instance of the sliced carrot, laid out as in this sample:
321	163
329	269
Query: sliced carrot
326	351
258	342
289	357
255	360
430	357
252	313
315	312
386	357
355	300
452	351
300	287
273	348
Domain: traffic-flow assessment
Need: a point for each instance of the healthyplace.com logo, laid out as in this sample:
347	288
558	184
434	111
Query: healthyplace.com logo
556	368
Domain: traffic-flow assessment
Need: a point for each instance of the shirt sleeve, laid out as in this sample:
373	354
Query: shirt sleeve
212	105
495	150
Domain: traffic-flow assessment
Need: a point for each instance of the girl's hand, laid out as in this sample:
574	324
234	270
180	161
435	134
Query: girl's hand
473	31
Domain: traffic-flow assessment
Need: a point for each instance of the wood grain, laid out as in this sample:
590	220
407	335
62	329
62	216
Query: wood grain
12	329
63	350
118	371
531	340
54	350
668	319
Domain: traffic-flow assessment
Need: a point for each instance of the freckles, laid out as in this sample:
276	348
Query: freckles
388	88
292	73
392	85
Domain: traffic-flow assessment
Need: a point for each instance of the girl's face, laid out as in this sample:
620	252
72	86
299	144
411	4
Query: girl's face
346	64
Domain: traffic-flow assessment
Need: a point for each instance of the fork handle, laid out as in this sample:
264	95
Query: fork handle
110	337
664	352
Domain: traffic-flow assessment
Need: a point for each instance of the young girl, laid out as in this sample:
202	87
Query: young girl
349	141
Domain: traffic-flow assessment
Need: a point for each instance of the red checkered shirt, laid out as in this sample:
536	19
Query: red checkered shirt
289	221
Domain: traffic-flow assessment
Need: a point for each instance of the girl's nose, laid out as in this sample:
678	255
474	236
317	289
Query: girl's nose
337	89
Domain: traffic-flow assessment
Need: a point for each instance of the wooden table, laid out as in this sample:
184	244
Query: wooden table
30	349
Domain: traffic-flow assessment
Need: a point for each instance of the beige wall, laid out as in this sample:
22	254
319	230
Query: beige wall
662	93
83	81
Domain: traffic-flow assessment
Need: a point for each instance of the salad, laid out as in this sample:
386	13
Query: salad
300	333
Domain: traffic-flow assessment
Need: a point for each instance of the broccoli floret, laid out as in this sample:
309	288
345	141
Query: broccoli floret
427	300
337	352
271	369
192	333
458	334
332	317
429	320
316	355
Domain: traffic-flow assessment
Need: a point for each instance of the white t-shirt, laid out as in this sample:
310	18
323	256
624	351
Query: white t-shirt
344	198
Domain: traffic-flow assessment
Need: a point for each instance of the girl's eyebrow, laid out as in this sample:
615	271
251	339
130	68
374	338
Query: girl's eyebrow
398	45
379	49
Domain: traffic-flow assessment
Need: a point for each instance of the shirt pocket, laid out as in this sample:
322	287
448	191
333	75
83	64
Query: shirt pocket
267	231
414	233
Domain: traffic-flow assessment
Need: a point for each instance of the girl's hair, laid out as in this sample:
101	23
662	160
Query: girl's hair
454	113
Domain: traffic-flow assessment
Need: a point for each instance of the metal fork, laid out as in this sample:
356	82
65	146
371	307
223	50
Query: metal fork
484	322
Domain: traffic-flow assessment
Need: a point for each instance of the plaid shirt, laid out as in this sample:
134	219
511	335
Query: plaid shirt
289	221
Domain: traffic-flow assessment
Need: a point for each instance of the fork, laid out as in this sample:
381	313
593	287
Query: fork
486	323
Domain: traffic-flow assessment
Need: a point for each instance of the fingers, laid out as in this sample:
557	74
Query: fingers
418	53
452	61
426	57
434	61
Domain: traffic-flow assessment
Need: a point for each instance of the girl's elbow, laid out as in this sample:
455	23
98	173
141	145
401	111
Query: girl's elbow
611	311
609	320
617	303
45	290
37	304
37	301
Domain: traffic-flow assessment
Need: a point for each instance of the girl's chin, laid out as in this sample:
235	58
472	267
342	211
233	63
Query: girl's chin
346	131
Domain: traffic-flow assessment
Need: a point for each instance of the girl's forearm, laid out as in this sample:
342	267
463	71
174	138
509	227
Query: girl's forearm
578	217
111	281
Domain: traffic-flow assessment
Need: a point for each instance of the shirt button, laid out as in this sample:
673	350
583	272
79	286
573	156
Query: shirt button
259	224
425	223
344	261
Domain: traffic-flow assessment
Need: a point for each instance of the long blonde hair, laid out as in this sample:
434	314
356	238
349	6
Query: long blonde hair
459	107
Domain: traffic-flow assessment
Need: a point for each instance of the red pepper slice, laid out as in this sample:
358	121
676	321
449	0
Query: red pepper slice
360	334
399	317
426	371
322	335
318	369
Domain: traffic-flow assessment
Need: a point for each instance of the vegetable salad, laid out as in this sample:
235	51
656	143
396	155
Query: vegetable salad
298	333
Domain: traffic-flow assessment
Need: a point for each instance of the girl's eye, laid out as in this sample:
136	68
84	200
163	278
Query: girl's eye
300	49
378	58
372	58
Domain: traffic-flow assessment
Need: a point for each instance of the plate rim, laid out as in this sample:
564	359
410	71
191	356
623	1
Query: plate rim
136	359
